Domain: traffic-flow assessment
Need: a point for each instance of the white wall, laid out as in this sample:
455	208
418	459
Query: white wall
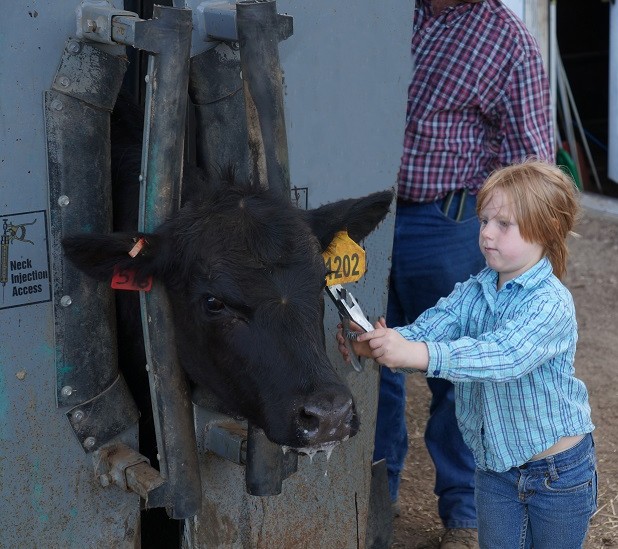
516	5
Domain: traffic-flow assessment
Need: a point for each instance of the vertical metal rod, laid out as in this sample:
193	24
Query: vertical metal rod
216	89
580	127
258	36
553	69
264	475
166	101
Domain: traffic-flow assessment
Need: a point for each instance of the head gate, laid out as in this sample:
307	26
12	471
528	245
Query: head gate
167	37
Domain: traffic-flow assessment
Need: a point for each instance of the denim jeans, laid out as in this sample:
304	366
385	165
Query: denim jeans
546	503
431	252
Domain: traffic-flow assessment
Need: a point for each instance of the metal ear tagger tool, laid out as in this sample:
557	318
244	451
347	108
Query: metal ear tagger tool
349	310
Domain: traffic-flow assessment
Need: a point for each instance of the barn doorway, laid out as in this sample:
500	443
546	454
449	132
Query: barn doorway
583	40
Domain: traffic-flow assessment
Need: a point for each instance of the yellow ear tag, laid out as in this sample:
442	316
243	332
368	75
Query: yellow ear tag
344	260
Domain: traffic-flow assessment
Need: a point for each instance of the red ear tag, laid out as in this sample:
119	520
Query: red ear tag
125	280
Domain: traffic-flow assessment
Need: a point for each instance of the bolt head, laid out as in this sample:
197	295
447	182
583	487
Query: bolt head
74	47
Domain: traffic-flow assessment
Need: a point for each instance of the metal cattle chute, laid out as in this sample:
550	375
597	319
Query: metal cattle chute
306	98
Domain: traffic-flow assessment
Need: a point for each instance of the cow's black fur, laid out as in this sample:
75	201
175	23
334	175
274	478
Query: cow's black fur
245	276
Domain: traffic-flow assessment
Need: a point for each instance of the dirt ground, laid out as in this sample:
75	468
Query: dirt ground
593	280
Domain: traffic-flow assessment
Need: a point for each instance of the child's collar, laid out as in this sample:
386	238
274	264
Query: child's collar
535	274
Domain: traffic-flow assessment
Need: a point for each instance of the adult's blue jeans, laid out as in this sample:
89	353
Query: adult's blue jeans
546	503
431	253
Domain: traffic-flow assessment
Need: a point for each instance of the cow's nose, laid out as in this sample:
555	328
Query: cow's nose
328	418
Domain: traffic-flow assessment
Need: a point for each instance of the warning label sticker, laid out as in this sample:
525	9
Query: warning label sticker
24	260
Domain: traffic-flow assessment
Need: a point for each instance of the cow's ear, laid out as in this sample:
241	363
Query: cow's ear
359	216
97	255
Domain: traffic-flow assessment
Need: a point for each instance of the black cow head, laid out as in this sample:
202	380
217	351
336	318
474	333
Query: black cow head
244	273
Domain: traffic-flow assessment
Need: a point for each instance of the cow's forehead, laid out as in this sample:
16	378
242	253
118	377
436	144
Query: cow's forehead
257	259
245	238
261	228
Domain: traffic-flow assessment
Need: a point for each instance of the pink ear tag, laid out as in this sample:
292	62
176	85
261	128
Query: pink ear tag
137	248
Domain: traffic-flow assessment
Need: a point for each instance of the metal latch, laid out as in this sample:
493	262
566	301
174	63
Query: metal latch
216	21
95	20
121	465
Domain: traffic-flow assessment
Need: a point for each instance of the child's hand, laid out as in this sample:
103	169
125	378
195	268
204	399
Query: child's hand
391	349
358	348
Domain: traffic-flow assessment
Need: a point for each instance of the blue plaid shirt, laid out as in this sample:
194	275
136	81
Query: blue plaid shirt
510	354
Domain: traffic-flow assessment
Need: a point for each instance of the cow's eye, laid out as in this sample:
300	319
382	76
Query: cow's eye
213	304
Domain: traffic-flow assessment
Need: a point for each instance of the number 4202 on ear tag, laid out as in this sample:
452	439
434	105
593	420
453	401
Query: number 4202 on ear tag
344	260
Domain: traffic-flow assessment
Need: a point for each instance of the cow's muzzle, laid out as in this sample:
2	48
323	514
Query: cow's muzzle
328	416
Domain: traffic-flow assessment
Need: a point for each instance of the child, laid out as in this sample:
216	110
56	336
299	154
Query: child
506	338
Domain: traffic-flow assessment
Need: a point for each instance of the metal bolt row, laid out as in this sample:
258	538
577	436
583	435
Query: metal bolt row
74	47
64	201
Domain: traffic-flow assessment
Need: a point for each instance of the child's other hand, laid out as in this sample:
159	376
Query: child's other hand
341	346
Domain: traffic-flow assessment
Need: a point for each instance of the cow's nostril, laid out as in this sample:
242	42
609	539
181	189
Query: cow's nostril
308	421
326	420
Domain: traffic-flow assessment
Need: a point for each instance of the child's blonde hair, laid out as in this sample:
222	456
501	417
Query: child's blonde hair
545	204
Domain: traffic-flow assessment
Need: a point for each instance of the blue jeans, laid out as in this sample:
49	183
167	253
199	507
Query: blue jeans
431	252
545	503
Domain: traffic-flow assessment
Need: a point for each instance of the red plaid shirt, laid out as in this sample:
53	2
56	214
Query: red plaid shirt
478	100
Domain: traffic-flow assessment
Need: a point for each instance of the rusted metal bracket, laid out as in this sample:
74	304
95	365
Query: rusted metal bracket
223	436
267	465
121	465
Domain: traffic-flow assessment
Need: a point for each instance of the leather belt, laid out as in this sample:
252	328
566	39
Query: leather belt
448	199
446	202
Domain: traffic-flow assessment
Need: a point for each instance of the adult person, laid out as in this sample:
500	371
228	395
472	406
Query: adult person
478	100
506	338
